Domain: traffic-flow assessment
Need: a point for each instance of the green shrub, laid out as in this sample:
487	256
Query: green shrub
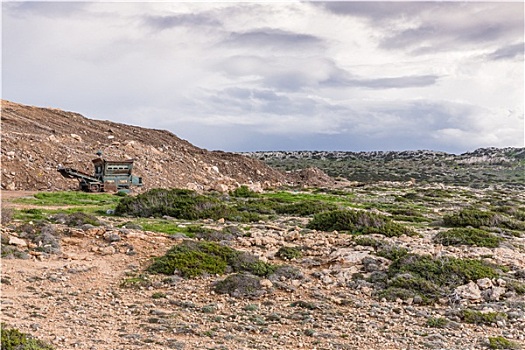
478	317
13	339
191	259
417	275
358	222
468	236
181	204
437	322
500	342
477	218
243	192
367	241
289	253
391	252
305	207
444	271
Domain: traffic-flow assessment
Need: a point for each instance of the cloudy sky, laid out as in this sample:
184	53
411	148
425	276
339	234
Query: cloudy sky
245	76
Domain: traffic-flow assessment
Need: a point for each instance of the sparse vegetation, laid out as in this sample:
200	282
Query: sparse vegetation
240	285
500	342
289	253
428	278
437	322
485	318
358	222
468	236
480	218
13	339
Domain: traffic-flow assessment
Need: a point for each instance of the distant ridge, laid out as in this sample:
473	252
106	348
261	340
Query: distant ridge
480	168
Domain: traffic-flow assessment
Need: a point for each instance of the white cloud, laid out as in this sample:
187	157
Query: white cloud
278	75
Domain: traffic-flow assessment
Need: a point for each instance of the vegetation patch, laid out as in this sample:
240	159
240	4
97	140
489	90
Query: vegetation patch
485	318
500	342
13	339
181	204
240	285
479	218
191	259
289	253
468	236
437	322
412	275
358	222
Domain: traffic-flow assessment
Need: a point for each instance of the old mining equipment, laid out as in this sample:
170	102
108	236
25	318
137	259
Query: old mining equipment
110	176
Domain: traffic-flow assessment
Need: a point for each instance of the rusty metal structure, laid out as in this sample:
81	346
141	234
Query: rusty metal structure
109	176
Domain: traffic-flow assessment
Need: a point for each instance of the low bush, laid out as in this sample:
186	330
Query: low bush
240	285
181	204
478	317
305	207
76	219
289	253
45	236
191	259
243	192
437	322
478	218
13	339
358	222
500	342
468	236
428	278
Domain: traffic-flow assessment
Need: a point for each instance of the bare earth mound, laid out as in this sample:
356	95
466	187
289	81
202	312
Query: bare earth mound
36	140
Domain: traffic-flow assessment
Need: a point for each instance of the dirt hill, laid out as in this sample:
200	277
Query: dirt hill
36	140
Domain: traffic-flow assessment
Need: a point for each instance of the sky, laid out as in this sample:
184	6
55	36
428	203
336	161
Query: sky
293	75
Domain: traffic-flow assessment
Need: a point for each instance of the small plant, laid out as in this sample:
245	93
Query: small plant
500	342
437	322
158	295
76	219
137	282
478	317
251	307
289	253
243	192
240	285
367	241
468	236
13	339
358	222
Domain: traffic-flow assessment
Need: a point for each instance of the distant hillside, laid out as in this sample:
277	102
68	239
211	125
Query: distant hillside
480	168
36	140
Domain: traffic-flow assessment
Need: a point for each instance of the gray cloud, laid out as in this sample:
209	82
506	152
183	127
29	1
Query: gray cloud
44	9
379	10
385	83
278	76
275	38
180	20
437	25
507	52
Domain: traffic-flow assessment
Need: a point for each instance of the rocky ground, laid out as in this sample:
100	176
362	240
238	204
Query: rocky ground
93	293
86	287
